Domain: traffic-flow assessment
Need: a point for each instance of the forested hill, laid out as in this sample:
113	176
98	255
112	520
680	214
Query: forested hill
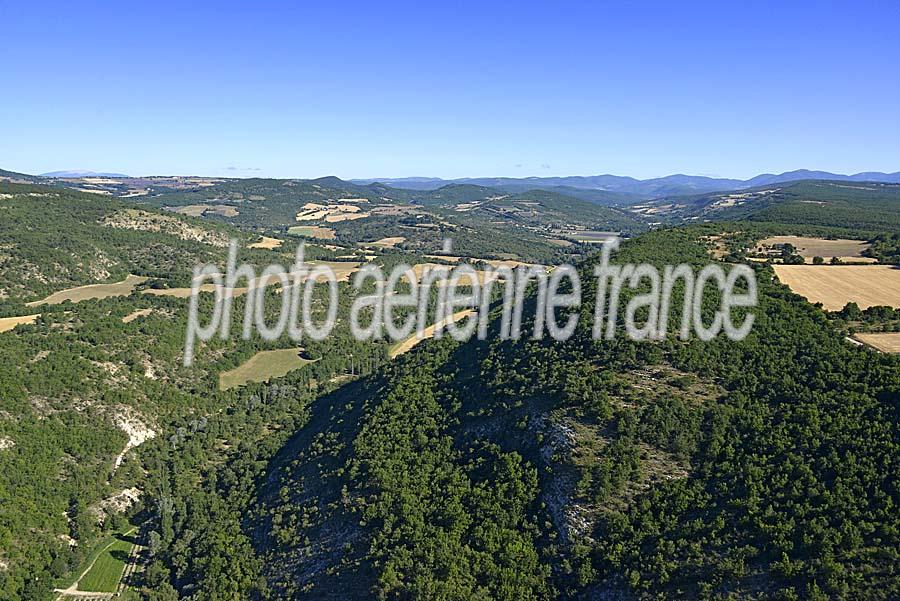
275	203
534	470
870	206
54	238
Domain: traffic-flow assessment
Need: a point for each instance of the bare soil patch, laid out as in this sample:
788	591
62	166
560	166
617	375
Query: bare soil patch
135	314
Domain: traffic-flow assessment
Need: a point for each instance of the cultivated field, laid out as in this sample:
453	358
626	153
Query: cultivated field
201	210
342	272
886	342
330	213
407	344
311	231
104	568
511	263
387	242
421	269
845	250
186	292
9	323
593	236
104	575
262	367
836	285
123	288
342	269
266	242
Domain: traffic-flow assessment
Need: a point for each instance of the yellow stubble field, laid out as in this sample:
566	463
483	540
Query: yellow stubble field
836	285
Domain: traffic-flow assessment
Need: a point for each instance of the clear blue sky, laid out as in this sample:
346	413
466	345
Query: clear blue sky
457	89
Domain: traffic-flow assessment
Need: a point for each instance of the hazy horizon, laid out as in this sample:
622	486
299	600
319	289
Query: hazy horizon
369	92
101	172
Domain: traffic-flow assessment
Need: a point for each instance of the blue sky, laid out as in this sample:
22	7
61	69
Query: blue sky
456	89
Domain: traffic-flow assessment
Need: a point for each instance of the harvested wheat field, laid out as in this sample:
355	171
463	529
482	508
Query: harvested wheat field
342	269
9	323
422	269
123	288
886	342
408	343
191	210
201	210
387	242
311	231
267	243
186	292
498	263
262	367
448	258
342	272
495	263
836	285
843	249
339	217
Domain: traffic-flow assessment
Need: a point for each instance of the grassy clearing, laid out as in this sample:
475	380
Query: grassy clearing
836	285
123	288
102	547
262	367
104	575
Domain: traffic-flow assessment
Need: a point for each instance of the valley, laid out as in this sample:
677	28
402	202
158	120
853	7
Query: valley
470	301
428	468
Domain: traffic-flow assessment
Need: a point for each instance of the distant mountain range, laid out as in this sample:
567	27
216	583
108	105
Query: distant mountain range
606	190
628	188
81	174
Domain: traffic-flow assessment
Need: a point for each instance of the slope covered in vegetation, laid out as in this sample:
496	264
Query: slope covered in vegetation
764	468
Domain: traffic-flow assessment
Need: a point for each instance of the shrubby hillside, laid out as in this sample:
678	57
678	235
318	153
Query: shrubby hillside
53	238
760	469
870	206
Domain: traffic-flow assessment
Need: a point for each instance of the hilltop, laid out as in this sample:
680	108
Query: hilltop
620	189
530	470
871	206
